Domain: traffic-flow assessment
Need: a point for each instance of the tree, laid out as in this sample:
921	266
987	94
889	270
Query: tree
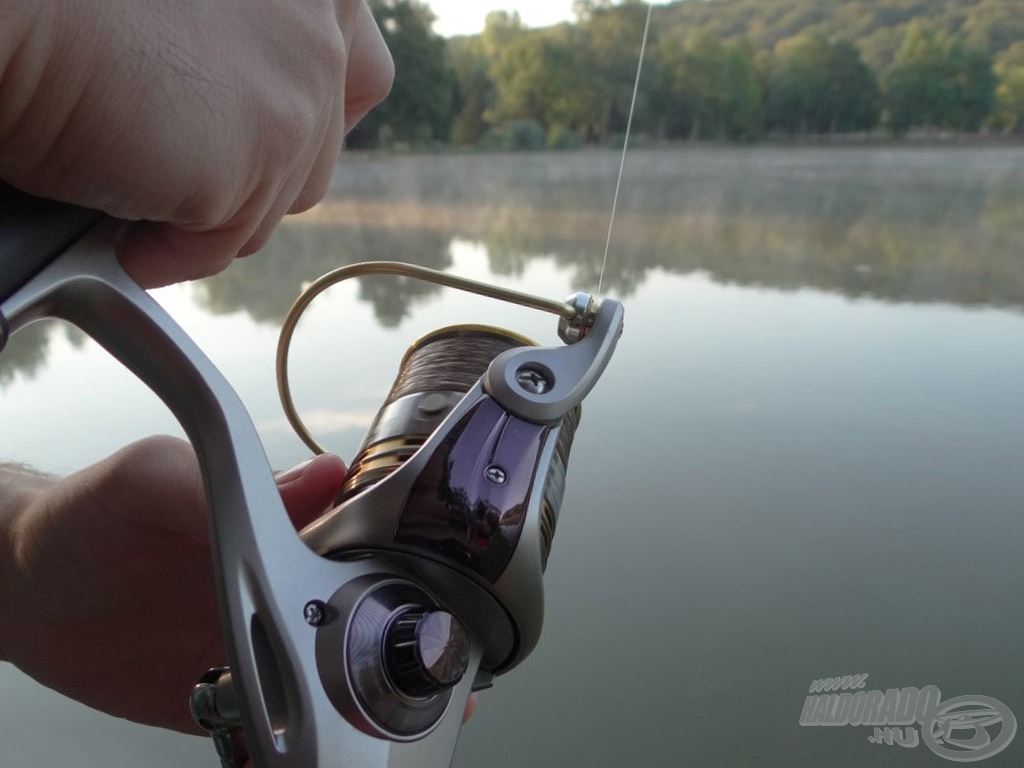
798	91
818	86
469	60
993	25
852	90
609	49
919	87
741	108
975	89
539	76
937	81
425	92
704	89
1009	68
500	29
687	86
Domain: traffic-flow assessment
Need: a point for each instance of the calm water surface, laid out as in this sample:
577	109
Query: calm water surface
806	459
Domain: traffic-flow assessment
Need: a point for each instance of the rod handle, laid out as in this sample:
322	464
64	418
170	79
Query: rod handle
33	233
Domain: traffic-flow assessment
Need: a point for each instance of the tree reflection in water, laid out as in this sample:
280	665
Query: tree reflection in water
903	224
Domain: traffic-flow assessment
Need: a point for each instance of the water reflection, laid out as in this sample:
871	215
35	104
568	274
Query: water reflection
25	353
907	225
26	350
779	486
265	287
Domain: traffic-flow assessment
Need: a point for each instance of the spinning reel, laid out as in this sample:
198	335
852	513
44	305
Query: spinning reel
358	642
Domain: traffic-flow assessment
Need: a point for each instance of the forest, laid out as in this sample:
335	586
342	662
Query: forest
714	70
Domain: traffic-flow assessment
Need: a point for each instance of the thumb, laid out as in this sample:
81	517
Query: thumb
309	489
156	254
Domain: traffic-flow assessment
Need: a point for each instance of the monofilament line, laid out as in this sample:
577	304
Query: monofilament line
625	146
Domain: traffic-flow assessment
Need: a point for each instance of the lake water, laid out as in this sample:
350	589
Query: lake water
806	459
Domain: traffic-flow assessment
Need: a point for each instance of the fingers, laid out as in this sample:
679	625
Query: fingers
371	70
160	253
369	74
156	254
157	482
319	179
470	708
154	483
310	488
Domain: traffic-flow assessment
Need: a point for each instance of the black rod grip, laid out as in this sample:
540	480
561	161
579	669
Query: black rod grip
34	232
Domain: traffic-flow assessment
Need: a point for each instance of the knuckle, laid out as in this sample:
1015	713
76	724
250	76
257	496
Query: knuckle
210	203
212	266
291	124
331	54
313	192
155	449
132	469
387	74
293	127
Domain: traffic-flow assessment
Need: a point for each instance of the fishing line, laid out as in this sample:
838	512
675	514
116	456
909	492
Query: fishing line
625	146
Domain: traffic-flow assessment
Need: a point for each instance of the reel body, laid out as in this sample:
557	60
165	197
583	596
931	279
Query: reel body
358	642
475	502
460	478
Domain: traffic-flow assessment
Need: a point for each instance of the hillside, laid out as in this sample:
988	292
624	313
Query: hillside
877	27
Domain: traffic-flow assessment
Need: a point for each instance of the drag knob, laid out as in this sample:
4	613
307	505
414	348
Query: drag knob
425	652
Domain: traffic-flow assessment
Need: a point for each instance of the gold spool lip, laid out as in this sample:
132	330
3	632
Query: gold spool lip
465	329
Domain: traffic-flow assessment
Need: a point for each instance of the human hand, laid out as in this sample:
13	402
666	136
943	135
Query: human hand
203	123
106	593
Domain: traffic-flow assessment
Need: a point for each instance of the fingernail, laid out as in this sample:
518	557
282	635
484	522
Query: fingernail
293	474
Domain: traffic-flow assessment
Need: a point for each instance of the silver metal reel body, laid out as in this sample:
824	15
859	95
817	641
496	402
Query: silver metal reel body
286	682
503	423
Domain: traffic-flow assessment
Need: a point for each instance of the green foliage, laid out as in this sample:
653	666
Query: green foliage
516	135
540	77
876	26
423	100
938	81
799	85
607	48
560	137
817	86
704	89
1009	68
469	60
715	70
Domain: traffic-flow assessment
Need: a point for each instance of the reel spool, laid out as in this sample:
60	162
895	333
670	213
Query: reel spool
444	364
436	372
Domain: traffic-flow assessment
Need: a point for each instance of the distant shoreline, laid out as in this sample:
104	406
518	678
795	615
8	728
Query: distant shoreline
951	141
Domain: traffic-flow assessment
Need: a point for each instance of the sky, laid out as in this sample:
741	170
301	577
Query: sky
466	17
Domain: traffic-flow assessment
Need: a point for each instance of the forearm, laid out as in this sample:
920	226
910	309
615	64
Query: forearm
19	486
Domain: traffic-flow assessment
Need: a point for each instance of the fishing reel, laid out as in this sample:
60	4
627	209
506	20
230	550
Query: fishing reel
456	490
357	642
